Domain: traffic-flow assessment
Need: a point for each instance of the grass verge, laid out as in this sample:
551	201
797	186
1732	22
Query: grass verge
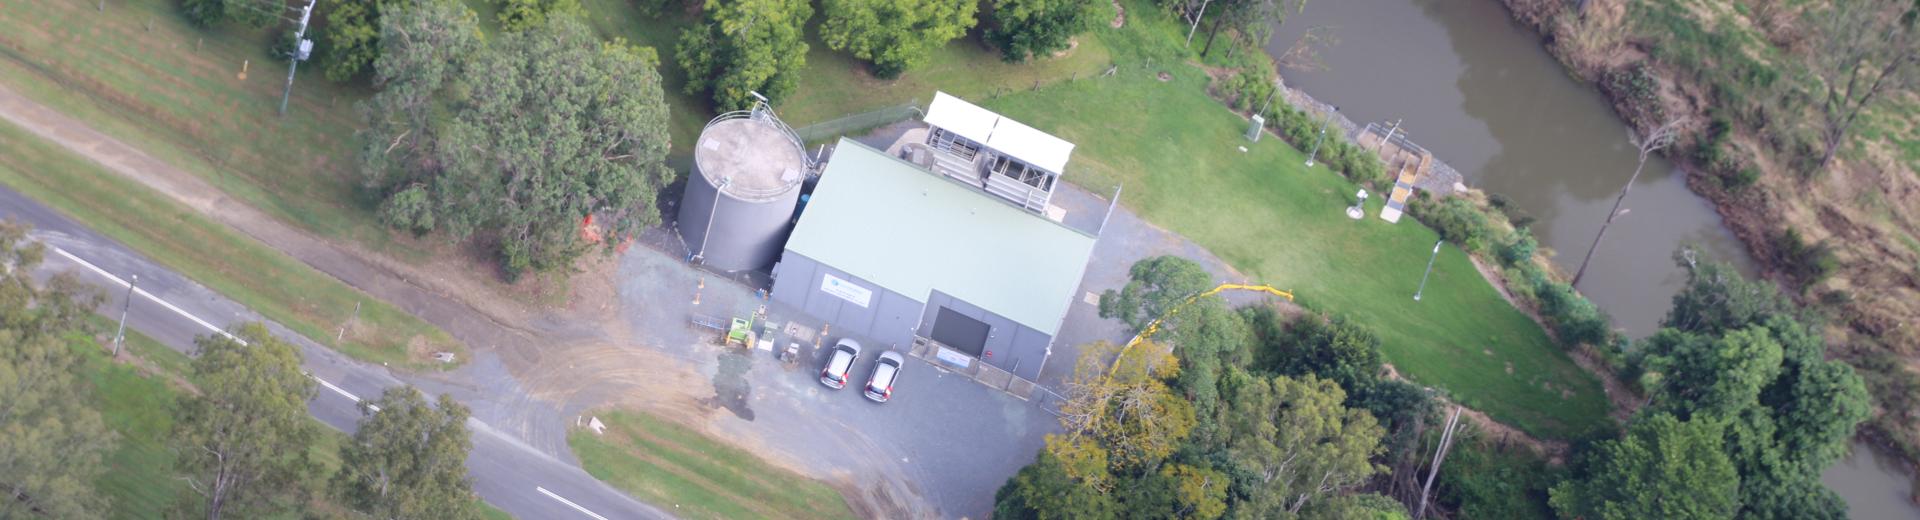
1178	154
137	401
670	465
267	281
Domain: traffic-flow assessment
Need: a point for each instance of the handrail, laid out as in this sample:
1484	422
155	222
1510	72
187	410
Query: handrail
785	131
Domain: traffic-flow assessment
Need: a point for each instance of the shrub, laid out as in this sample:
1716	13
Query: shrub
1457	220
1807	263
1518	248
1575	319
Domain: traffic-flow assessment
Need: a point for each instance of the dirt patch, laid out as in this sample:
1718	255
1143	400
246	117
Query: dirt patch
1119	15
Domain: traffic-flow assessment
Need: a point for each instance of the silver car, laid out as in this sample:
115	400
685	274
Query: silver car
880	386
840	363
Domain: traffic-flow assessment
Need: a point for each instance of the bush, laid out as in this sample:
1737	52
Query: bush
1518	248
1575	319
1807	263
1457	220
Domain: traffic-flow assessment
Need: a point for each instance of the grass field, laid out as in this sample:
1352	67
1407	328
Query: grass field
138	404
698	477
1176	151
267	281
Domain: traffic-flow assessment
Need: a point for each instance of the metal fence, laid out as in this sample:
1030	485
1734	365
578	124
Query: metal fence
855	124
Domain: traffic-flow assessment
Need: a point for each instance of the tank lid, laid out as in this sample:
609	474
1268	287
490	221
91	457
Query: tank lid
751	159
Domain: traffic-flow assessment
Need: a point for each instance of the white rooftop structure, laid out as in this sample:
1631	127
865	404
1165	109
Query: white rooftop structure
1011	138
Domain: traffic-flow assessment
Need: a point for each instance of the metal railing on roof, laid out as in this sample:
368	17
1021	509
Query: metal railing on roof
763	113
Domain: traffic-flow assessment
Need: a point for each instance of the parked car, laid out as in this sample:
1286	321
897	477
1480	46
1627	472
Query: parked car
885	371
840	363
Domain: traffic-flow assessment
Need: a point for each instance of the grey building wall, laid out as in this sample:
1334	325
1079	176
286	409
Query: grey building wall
890	318
1014	347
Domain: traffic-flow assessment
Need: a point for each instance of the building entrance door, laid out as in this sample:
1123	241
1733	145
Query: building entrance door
959	332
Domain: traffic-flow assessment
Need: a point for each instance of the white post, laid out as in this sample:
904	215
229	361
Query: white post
120	336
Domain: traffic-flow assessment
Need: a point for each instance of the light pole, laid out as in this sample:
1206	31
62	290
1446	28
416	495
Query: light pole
1323	135
301	48
120	336
1423	276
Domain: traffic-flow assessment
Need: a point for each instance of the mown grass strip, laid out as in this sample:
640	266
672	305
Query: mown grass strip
695	476
267	281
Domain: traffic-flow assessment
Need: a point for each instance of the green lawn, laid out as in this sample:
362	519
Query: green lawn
1176	151
267	281
138	402
698	477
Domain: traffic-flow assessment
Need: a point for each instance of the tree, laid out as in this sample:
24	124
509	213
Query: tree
520	15
1045	490
251	13
1662	468
244	438
1300	442
1866	50
1128	411
1252	20
1155	286
408	459
1200	493
745	46
349	41
1718	377
895	35
524	152
1654	140
51	437
1023	29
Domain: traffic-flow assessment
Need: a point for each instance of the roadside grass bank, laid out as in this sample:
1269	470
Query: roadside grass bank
670	465
1177	153
137	401
277	286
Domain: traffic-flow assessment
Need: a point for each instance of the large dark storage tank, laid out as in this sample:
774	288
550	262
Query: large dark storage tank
739	203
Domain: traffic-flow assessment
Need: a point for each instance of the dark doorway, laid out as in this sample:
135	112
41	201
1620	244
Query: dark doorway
960	332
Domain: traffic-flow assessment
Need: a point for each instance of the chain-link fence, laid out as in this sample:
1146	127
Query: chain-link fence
856	124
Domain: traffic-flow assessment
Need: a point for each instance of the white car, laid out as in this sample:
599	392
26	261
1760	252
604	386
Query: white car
880	386
840	363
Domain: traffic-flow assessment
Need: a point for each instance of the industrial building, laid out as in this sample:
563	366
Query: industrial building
958	248
890	251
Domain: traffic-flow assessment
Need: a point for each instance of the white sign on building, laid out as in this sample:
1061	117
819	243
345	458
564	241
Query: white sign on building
846	290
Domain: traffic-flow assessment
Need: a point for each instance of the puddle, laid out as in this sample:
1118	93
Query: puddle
730	386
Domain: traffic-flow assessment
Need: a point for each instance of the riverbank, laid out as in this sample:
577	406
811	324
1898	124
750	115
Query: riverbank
1840	241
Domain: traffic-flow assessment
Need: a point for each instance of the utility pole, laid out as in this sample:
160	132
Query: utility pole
1423	276
301	48
120	336
1323	135
1655	140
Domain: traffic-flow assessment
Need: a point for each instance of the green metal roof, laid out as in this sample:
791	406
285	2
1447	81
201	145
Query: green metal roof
913	232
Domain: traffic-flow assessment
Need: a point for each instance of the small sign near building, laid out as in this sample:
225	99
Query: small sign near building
846	290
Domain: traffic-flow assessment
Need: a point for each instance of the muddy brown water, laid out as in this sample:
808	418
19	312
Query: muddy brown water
1481	93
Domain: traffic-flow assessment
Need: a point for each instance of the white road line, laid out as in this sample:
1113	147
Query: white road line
196	319
569	503
143	292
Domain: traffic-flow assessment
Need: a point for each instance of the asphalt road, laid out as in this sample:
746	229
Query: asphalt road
172	309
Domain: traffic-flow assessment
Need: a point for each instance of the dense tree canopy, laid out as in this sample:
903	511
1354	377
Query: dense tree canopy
1301	442
245	436
1736	352
745	46
520	15
895	35
51	439
408	459
1154	286
349	41
1663	468
547	126
1023	29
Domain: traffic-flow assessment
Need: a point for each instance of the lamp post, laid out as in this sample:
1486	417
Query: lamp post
1423	276
120	336
1323	135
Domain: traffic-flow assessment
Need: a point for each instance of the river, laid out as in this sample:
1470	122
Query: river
1480	92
